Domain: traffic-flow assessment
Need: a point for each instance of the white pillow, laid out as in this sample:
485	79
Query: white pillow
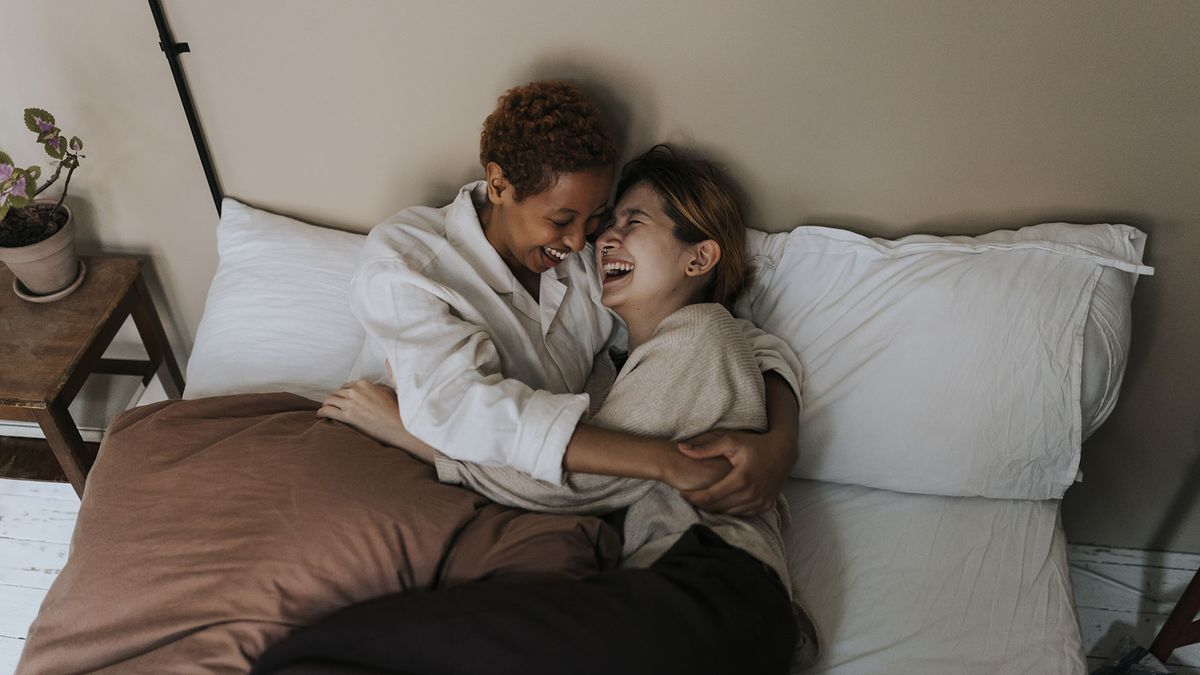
277	317
950	365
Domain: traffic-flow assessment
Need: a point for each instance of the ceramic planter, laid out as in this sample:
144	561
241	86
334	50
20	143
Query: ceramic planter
49	267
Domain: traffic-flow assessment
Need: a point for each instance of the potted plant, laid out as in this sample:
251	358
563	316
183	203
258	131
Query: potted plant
37	236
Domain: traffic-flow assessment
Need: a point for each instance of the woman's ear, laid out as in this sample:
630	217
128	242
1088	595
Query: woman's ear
705	257
497	183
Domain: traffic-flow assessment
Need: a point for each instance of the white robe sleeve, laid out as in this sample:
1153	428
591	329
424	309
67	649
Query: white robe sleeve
451	392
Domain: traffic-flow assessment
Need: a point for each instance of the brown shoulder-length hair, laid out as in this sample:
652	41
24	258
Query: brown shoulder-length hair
542	130
702	204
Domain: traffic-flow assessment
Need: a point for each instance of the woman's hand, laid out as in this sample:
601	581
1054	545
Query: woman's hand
760	467
686	473
371	408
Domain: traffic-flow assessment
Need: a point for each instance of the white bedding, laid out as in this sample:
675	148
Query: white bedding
902	583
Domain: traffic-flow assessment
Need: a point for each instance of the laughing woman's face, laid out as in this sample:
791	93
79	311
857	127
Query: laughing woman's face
538	232
642	262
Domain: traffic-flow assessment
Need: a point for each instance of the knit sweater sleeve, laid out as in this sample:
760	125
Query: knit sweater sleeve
698	373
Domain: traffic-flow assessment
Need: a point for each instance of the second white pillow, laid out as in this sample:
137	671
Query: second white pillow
940	365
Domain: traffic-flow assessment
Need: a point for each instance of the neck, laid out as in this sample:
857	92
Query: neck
642	322
490	221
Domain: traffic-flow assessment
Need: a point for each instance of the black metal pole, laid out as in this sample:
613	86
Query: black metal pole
173	49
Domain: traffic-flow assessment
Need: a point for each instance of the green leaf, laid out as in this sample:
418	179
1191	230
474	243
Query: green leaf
20	201
4	210
56	147
4	158
30	188
76	145
31	118
34	172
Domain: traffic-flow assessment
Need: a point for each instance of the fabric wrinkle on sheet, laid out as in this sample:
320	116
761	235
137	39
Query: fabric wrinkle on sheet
931	584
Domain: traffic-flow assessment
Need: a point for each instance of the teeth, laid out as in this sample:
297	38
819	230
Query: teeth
555	254
610	267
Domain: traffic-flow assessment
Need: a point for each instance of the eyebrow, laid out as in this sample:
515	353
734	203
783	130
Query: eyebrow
602	211
631	211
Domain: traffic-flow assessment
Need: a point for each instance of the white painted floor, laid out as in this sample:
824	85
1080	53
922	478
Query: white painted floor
1118	592
36	520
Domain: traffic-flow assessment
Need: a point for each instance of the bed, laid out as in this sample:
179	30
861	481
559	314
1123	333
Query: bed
925	532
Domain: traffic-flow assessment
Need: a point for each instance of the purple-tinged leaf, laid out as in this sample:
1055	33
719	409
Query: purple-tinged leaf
6	172
55	147
76	144
18	188
38	120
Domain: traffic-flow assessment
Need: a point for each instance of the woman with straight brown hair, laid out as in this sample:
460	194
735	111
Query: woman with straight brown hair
698	592
488	313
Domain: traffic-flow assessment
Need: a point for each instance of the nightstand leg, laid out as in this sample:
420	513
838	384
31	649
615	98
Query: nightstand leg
62	434
155	340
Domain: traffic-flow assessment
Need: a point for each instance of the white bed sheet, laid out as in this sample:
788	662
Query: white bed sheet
902	583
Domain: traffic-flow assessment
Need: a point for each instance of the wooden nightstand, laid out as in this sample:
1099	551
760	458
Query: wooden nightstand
49	350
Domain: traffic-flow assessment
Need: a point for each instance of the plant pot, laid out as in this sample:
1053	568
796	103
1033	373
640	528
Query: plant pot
48	267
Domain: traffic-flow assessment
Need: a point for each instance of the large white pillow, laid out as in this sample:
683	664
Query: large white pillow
277	317
950	365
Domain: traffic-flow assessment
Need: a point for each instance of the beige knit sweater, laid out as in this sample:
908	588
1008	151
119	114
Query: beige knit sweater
696	374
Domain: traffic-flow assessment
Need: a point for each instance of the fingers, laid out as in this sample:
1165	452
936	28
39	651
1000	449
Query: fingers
734	494
331	412
718	493
706	451
738	503
356	386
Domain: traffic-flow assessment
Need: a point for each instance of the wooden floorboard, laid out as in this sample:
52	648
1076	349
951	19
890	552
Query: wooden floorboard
10	651
31	564
36	521
27	519
1128	593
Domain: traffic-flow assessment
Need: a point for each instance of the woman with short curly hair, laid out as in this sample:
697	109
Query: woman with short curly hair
489	323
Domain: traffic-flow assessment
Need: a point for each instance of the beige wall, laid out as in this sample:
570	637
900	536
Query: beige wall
887	117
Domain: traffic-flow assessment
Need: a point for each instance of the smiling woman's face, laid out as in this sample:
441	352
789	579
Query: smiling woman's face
540	231
642	262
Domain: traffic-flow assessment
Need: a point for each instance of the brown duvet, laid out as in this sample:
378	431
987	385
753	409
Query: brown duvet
211	528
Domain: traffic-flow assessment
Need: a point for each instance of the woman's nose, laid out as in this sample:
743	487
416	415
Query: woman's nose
608	237
576	238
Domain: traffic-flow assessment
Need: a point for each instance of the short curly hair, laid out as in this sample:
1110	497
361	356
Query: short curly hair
542	130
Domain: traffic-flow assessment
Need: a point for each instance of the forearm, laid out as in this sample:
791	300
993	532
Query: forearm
783	410
581	493
413	446
614	453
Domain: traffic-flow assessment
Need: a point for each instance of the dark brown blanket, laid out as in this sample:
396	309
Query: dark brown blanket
211	528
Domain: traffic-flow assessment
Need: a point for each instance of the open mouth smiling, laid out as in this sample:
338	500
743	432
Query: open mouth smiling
554	256
616	269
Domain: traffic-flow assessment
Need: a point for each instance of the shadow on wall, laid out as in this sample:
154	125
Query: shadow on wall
1186	500
88	242
625	98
